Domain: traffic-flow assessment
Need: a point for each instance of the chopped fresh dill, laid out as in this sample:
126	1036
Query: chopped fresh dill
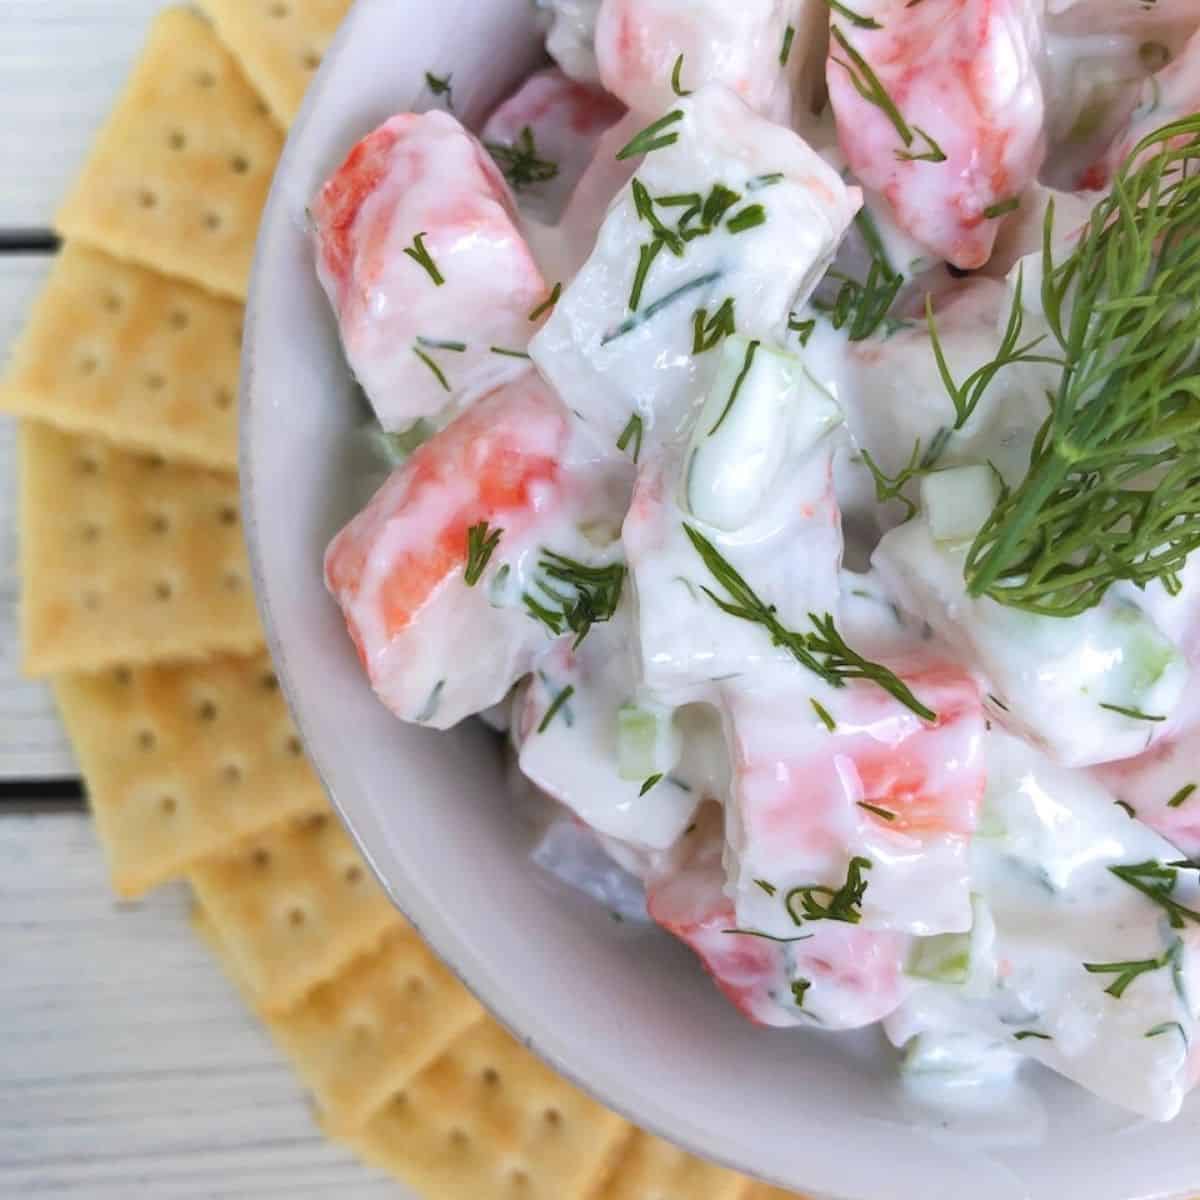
520	162
803	329
869	87
1181	796
441	85
653	137
481	545
1001	207
709	331
750	217
823	651
770	937
764	181
509	353
885	814
432	704
575	595
421	256
747	366
800	990
632	433
1156	881
437	344
855	19
635	320
438	373
1022	1034
820	903
1166	1027
650	783
547	304
823	714
646	255
1134	714
785	51
1129	809
556	706
1127	972
769	888
676	79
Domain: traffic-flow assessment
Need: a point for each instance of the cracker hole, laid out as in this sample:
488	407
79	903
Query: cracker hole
177	139
110	302
88	364
518	1178
206	711
156	381
179	319
227	514
233	581
269	682
459	1138
168	805
90	599
293	747
296	917
399	1100
147	740
261	858
261	108
155	462
89	532
213	221
310	60
361	1033
87	464
160	523
353	874
231	774
553	1118
146	198
123	676
206	79
239	164
489	1075
163	590
279	11
223	399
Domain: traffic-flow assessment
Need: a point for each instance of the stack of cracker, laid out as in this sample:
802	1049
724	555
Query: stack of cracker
137	604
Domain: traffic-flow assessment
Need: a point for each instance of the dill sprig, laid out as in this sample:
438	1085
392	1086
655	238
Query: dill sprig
819	903
557	705
521	163
547	304
863	305
481	545
824	651
1156	882
574	595
1113	487
855	19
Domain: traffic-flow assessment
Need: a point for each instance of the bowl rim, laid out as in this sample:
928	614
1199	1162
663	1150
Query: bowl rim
451	949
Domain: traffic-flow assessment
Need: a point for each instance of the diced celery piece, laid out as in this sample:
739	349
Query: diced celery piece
957	501
646	741
943	958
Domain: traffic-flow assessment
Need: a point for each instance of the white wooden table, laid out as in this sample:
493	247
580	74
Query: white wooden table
127	1064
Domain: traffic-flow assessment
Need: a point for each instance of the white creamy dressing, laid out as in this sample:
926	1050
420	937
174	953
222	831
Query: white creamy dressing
728	468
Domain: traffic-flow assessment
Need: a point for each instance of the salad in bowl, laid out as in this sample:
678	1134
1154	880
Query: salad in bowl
792	420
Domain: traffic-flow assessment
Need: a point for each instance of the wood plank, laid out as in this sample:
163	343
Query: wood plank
127	1064
62	63
32	742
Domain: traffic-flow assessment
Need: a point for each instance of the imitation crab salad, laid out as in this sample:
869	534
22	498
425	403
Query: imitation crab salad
793	411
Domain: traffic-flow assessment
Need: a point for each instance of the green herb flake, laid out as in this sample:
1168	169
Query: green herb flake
824	714
1022	1034
653	137
1134	714
441	85
547	304
708	332
769	888
676	79
632	434
556	706
1129	810
481	545
1180	798
769	937
438	373
1127	972
885	814
1002	207
421	256
747	365
855	19
508	353
785	51
750	217
820	903
521	163
800	990
650	783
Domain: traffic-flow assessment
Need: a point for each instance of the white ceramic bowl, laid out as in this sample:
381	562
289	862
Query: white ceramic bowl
626	1013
